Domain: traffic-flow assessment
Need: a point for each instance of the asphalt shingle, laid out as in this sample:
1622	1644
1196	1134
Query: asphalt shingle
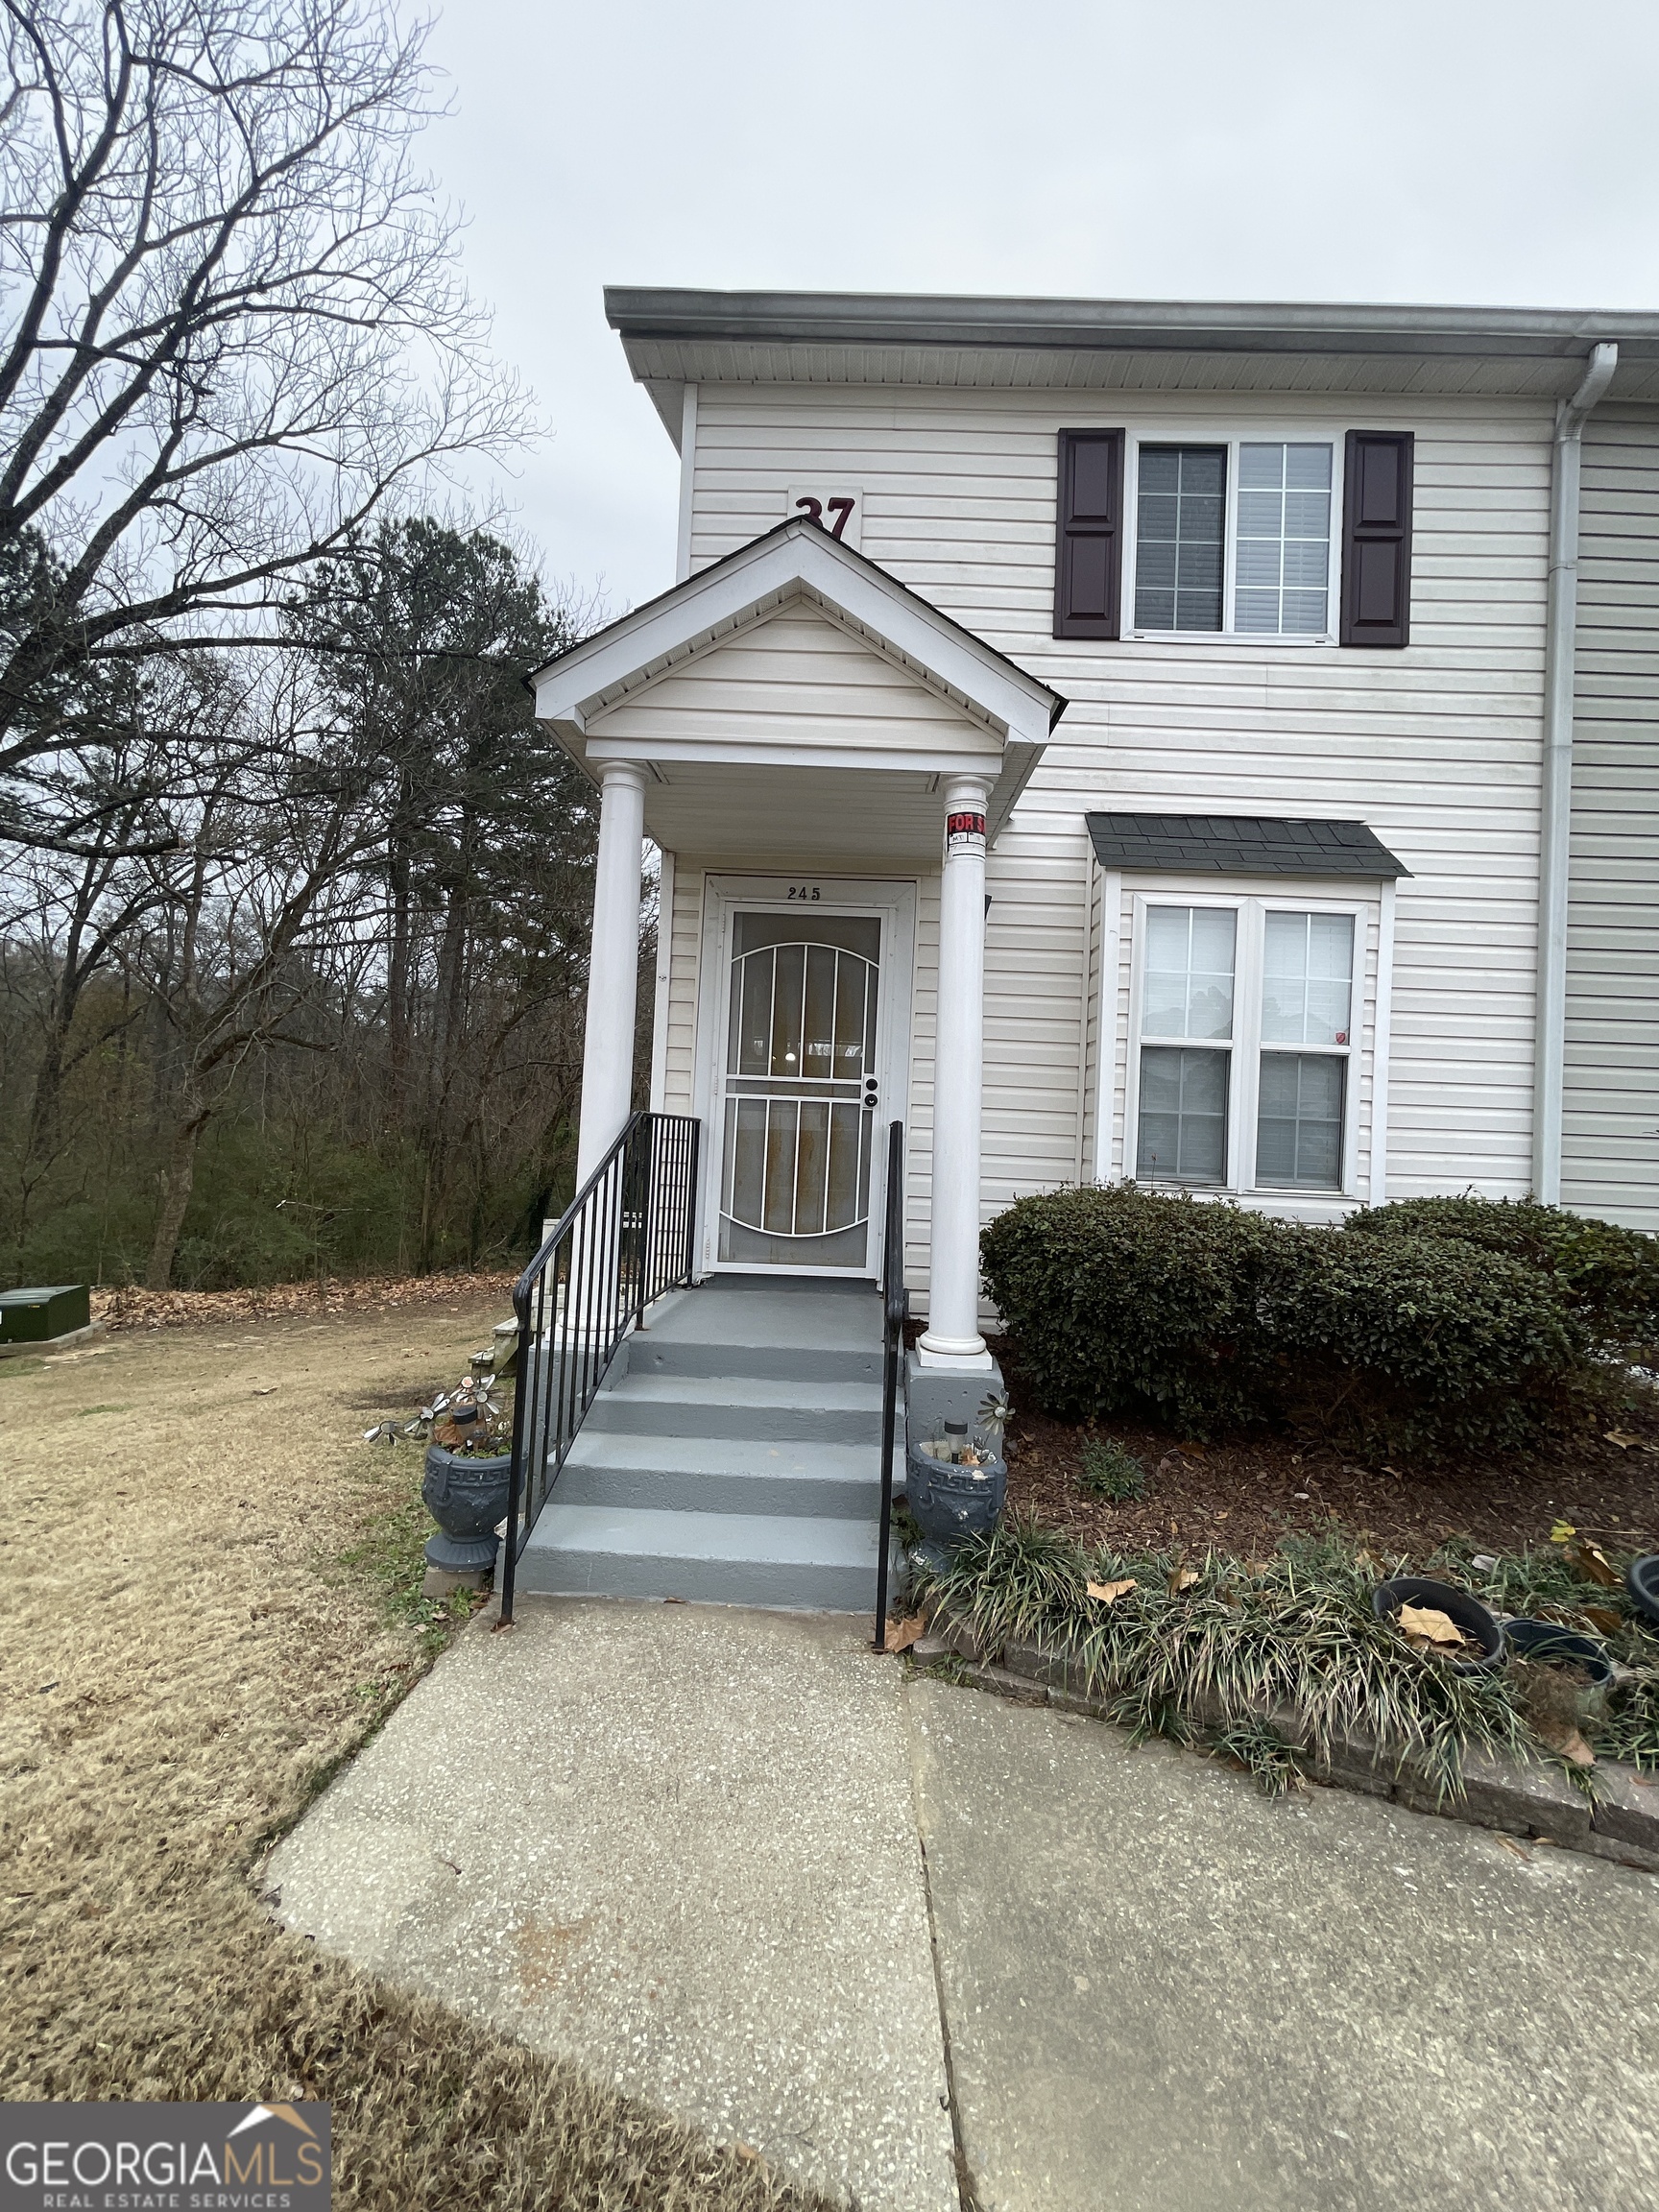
1240	845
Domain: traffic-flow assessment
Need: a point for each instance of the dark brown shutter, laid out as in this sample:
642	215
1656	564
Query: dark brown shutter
1377	537
1088	552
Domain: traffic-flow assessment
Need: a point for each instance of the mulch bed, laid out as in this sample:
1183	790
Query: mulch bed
1242	1497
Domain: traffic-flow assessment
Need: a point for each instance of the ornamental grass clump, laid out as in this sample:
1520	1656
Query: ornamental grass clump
1289	1645
1550	1584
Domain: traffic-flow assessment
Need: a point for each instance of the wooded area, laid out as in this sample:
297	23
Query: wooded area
293	892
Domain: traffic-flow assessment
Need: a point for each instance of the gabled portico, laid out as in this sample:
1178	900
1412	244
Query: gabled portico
827	754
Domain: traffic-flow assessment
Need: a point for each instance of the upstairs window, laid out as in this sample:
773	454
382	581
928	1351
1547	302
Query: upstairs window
1251	537
1283	539
1181	516
1234	538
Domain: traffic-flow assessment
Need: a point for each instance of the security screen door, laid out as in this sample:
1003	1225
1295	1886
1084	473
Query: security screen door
800	1094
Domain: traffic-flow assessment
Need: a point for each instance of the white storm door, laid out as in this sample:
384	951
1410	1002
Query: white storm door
801	1094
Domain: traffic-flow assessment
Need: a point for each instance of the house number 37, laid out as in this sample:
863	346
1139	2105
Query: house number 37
815	511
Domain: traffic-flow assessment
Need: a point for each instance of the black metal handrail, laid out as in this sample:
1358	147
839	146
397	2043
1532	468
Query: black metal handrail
895	1307
626	1238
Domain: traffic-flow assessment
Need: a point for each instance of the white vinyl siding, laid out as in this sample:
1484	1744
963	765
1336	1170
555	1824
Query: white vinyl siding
683	928
1435	747
1610	1109
795	679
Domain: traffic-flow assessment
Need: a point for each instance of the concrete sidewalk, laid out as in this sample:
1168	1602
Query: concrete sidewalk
677	1844
685	1847
1164	1990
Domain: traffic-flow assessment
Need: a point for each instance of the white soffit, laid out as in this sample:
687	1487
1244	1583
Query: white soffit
677	337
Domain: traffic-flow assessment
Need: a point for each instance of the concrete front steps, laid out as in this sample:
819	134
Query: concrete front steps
732	1458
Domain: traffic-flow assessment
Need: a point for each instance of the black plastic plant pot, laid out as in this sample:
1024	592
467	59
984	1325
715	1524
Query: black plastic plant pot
1550	1645
1641	1581
953	1502
1470	1615
466	1498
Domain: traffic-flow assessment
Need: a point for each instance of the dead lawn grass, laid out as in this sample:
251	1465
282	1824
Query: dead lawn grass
185	1662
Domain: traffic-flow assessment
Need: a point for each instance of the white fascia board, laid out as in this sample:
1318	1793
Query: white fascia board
760	579
1019	765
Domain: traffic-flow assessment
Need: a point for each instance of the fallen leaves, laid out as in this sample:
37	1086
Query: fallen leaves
1555	1702
1427	1625
130	1308
902	1634
1182	1579
1605	1618
1591	1561
1566	1742
1109	1593
1621	1437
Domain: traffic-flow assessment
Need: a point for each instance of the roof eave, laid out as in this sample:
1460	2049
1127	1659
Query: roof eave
658	314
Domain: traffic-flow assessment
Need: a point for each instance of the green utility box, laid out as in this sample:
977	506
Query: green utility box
37	1316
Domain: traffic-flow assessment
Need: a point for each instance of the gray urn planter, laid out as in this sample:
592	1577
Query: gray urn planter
953	1504
466	1498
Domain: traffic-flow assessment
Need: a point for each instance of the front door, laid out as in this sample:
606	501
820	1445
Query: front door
802	1104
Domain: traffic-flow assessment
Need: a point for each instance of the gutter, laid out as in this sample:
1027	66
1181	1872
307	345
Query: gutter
1555	829
667	315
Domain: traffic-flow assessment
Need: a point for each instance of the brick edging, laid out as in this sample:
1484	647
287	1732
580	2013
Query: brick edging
1519	1797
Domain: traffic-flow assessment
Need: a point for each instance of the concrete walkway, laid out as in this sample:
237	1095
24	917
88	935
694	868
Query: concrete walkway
733	1862
678	1844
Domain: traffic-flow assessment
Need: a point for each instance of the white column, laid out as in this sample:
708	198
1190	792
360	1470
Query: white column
612	965
952	1337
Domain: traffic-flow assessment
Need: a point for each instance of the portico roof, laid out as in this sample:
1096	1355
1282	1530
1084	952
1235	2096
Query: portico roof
793	670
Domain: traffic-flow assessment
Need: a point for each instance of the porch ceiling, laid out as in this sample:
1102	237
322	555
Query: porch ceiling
783	818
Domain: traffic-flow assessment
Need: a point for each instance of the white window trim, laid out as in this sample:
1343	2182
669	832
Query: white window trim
1245	1047
1232	438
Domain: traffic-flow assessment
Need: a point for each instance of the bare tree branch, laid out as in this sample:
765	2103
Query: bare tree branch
236	328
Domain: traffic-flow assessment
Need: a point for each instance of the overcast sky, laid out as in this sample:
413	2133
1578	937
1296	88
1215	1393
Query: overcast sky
1455	150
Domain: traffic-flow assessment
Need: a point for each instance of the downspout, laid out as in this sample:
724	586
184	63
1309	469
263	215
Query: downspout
1561	617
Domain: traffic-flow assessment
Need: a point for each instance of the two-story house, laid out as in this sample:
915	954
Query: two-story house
1214	745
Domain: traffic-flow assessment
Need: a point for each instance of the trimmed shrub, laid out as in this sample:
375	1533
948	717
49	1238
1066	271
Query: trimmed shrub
1212	1318
1414	1343
1123	1301
1605	1275
1111	1473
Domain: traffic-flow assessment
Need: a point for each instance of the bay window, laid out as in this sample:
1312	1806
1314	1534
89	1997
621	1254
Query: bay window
1239	1067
